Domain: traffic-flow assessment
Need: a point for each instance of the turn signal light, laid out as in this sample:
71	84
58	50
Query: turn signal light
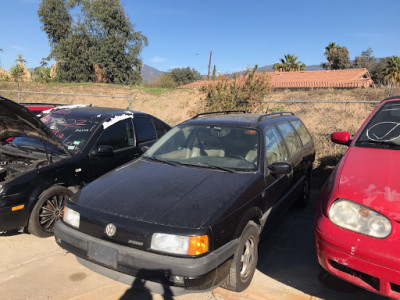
19	207
198	245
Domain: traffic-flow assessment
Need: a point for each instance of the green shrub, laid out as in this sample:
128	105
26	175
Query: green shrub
243	92
163	81
43	75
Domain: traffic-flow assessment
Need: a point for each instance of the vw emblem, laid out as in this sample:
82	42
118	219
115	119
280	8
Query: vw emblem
110	229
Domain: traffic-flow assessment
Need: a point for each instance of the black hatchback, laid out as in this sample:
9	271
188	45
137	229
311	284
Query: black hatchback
42	162
189	212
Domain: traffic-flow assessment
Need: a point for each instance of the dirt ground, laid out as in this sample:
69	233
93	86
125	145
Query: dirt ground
32	268
37	269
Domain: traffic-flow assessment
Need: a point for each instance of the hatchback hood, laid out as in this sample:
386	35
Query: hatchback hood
371	177
17	120
157	193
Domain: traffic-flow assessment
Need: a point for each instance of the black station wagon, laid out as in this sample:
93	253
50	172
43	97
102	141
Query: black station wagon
189	212
42	162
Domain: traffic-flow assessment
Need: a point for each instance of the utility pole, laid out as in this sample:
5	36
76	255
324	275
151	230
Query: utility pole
209	66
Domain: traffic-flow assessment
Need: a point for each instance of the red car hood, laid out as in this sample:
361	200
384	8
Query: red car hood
371	177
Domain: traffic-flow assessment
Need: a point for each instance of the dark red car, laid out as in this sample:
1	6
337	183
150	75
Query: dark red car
357	227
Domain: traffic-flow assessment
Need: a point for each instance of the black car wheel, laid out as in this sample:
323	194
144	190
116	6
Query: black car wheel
303	200
48	210
244	261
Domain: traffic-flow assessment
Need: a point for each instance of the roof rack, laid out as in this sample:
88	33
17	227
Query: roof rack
225	112
277	114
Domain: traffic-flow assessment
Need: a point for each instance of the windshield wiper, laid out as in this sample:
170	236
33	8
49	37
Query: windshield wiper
209	166
154	158
388	144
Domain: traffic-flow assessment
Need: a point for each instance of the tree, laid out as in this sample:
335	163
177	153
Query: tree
392	70
337	56
365	60
98	42
374	65
17	72
243	92
289	63
185	75
214	73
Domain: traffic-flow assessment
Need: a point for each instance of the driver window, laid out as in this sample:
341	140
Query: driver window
275	149
118	135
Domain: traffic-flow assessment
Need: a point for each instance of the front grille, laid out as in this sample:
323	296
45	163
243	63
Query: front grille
372	281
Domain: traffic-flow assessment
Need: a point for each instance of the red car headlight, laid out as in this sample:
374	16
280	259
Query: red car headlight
355	217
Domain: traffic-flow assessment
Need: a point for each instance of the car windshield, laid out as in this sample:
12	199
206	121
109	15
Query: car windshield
383	130
71	128
222	147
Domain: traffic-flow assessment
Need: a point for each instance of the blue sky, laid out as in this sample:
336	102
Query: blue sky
239	33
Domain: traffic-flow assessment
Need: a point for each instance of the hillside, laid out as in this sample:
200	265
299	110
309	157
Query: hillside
177	105
150	73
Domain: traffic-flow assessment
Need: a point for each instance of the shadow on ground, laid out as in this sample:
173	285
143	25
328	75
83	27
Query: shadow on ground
287	255
10	233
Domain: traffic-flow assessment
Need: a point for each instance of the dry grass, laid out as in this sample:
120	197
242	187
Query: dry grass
177	105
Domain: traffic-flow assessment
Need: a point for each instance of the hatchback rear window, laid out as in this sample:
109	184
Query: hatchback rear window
302	131
292	139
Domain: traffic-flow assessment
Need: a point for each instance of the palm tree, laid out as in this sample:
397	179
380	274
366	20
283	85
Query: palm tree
17	72
289	63
392	70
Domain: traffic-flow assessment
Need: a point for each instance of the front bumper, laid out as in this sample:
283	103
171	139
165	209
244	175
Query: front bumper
129	265
11	220
361	260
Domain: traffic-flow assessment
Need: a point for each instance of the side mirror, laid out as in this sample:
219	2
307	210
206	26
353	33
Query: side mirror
341	137
144	149
103	150
279	168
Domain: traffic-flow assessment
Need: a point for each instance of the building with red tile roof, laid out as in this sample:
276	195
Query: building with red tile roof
349	78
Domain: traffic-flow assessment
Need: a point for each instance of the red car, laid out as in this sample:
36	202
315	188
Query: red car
357	226
38	108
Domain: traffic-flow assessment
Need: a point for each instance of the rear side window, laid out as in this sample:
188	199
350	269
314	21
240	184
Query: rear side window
160	128
144	129
275	149
292	139
119	135
302	131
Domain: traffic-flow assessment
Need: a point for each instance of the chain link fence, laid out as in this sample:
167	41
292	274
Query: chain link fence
321	117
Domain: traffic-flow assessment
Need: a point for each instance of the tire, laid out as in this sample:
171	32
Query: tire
244	260
304	198
47	210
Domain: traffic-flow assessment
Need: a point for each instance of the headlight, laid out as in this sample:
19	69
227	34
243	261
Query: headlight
71	217
179	244
358	218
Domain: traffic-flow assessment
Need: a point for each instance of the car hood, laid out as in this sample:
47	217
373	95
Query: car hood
17	120
179	196
371	177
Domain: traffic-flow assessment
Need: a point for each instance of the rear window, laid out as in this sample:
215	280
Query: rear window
144	129
302	131
292	140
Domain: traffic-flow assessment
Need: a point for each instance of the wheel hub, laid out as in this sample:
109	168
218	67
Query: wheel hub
247	258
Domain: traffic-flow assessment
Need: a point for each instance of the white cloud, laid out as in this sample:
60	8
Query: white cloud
18	48
158	59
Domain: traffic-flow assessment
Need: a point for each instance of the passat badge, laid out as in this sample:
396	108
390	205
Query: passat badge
110	229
